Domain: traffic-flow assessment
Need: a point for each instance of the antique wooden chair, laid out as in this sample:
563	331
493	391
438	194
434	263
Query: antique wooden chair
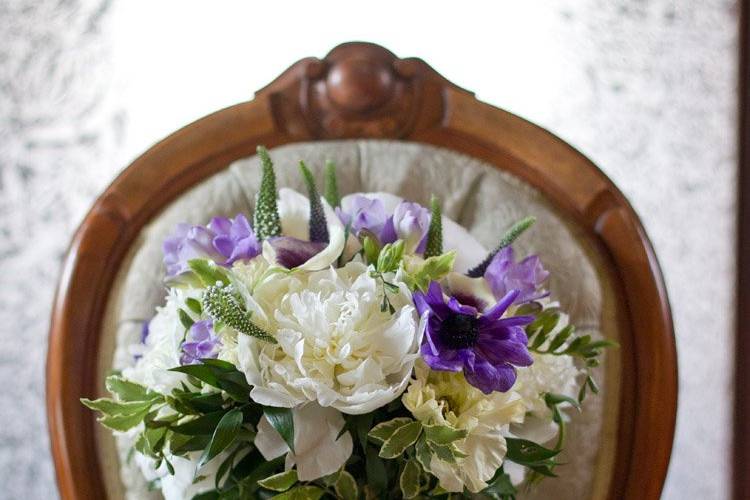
359	95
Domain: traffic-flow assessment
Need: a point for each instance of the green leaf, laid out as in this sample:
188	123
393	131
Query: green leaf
208	272
432	269
371	249
400	440
205	424
111	407
435	231
346	486
525	452
442	434
129	391
185	319
224	435
559	339
301	493
194	305
409	480
222	305
282	420
390	257
332	186
423	453
266	221
279	482
500	487
377	477
384	430
359	425
508	238
551	399
123	423
445	452
317	223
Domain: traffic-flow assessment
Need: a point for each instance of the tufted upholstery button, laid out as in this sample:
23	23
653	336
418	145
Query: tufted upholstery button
359	85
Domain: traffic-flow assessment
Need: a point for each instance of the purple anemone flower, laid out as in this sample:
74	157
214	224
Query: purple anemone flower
505	274
292	252
224	241
200	343
486	347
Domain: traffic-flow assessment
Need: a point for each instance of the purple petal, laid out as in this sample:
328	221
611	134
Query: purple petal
496	311
292	252
488	378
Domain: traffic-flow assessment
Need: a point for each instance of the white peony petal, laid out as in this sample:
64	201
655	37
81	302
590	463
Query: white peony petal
318	452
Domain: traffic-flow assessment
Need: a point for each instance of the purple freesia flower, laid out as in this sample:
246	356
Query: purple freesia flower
224	241
505	274
200	343
411	221
486	347
364	214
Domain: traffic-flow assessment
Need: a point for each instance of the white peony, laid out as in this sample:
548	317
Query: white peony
318	449
335	344
445	398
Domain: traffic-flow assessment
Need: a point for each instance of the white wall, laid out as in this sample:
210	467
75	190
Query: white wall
644	88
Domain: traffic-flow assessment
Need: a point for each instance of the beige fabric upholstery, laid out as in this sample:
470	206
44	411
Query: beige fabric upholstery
476	195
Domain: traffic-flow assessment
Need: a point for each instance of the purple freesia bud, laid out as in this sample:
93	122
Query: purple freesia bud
224	241
486	347
411	221
504	274
200	343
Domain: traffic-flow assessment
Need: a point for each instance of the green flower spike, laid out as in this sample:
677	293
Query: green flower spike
266	219
318	226
332	185
509	237
435	232
221	304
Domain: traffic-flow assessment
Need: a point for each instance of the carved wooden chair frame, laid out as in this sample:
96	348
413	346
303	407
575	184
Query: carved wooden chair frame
364	91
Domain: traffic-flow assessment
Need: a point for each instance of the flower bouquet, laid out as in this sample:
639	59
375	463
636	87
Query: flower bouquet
348	348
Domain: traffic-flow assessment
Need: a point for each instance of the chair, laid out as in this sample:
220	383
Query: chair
391	124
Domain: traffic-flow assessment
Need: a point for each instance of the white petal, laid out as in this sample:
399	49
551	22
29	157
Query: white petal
270	444
294	212
335	243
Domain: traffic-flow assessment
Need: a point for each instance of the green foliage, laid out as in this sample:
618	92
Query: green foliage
279	482
500	487
318	227
346	486
410	479
331	185
435	232
208	273
281	420
390	256
384	430
532	455
224	435
419	276
301	493
221	375
222	305
508	238
400	440
266	221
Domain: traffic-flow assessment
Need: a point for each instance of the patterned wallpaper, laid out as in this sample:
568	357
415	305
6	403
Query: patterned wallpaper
646	89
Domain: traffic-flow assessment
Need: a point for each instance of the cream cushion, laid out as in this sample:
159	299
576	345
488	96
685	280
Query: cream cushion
480	197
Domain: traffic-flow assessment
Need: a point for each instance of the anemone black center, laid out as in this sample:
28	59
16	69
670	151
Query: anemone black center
459	331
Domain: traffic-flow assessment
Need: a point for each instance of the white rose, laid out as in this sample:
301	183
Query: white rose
318	449
335	344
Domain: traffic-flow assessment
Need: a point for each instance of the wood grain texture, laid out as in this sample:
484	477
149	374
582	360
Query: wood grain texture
364	91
